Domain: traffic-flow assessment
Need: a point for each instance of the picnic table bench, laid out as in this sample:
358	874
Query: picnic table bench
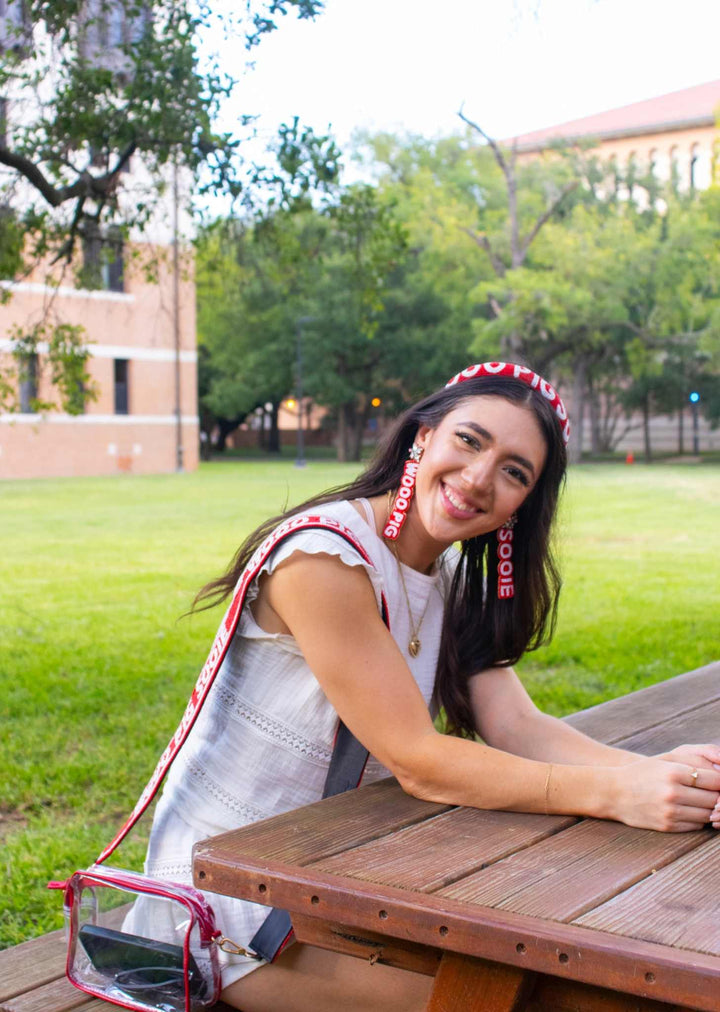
507	911
568	908
32	979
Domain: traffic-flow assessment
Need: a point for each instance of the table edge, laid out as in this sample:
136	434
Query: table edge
555	948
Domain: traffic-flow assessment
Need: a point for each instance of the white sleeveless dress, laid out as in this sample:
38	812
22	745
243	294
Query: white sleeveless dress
263	742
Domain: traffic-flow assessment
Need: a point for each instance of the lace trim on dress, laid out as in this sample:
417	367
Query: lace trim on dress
246	812
274	730
181	870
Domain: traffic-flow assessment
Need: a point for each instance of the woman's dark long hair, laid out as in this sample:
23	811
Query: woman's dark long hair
479	631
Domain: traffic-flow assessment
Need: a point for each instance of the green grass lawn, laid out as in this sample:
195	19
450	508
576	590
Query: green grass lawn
97	663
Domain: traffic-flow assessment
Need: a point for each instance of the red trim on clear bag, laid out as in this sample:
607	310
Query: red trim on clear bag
189	896
192	899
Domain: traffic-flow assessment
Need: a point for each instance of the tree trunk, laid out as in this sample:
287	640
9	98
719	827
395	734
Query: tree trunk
646	428
681	433
225	427
349	438
593	402
342	434
361	420
273	443
578	401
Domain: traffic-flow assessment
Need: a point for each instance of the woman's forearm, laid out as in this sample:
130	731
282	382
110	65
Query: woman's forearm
540	736
461	772
652	793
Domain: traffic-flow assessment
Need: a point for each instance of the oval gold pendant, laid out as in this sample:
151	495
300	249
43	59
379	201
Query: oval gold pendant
414	647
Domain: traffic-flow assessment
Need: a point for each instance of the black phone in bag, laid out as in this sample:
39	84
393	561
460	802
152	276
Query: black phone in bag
140	965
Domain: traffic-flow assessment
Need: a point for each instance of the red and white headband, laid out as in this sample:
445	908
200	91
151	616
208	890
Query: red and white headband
526	375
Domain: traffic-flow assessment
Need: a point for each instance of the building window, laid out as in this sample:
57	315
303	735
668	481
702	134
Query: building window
674	169
112	267
694	158
15	27
103	261
111	27
631	174
121	387
28	375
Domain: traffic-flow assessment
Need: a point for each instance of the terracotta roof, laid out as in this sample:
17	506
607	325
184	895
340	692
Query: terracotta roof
694	106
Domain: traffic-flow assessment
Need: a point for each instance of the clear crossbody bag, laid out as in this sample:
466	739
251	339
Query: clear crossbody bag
150	944
108	915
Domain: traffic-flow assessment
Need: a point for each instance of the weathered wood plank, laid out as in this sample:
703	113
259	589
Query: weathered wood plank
434	853
615	719
701	725
574	871
57	996
677	906
464	984
32	964
321	829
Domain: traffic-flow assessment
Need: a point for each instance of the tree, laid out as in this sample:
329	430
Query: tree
254	281
366	241
111	79
507	247
675	317
377	321
622	293
94	84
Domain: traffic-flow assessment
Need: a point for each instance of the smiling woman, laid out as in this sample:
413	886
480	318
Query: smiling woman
366	614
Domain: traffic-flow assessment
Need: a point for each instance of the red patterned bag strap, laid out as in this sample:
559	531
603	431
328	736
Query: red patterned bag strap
218	651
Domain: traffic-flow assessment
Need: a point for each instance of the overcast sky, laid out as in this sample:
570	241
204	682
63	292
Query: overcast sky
518	65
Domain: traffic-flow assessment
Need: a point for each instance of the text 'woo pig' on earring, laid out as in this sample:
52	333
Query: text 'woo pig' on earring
398	512
505	534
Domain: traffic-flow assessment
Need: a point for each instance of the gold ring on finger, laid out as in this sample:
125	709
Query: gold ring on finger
694	777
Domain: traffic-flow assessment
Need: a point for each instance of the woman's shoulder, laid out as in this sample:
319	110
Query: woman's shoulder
333	528
328	519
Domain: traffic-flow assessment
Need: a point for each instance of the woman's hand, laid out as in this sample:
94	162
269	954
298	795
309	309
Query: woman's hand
662	793
701	757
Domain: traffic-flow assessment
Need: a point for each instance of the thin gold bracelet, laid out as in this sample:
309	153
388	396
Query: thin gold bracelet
547	788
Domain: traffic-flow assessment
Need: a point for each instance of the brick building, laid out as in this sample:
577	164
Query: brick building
675	133
133	424
140	333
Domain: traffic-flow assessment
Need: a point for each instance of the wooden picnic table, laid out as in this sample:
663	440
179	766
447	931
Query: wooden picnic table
508	911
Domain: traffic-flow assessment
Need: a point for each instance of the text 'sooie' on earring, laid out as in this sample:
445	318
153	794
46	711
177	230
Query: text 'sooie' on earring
506	584
398	512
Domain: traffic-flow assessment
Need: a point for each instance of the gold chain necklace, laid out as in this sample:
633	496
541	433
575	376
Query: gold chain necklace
414	643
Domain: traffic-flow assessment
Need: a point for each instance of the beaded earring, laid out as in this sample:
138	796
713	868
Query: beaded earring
506	583
397	513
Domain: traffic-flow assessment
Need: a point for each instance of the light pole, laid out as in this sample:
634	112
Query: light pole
179	452
300	458
695	400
